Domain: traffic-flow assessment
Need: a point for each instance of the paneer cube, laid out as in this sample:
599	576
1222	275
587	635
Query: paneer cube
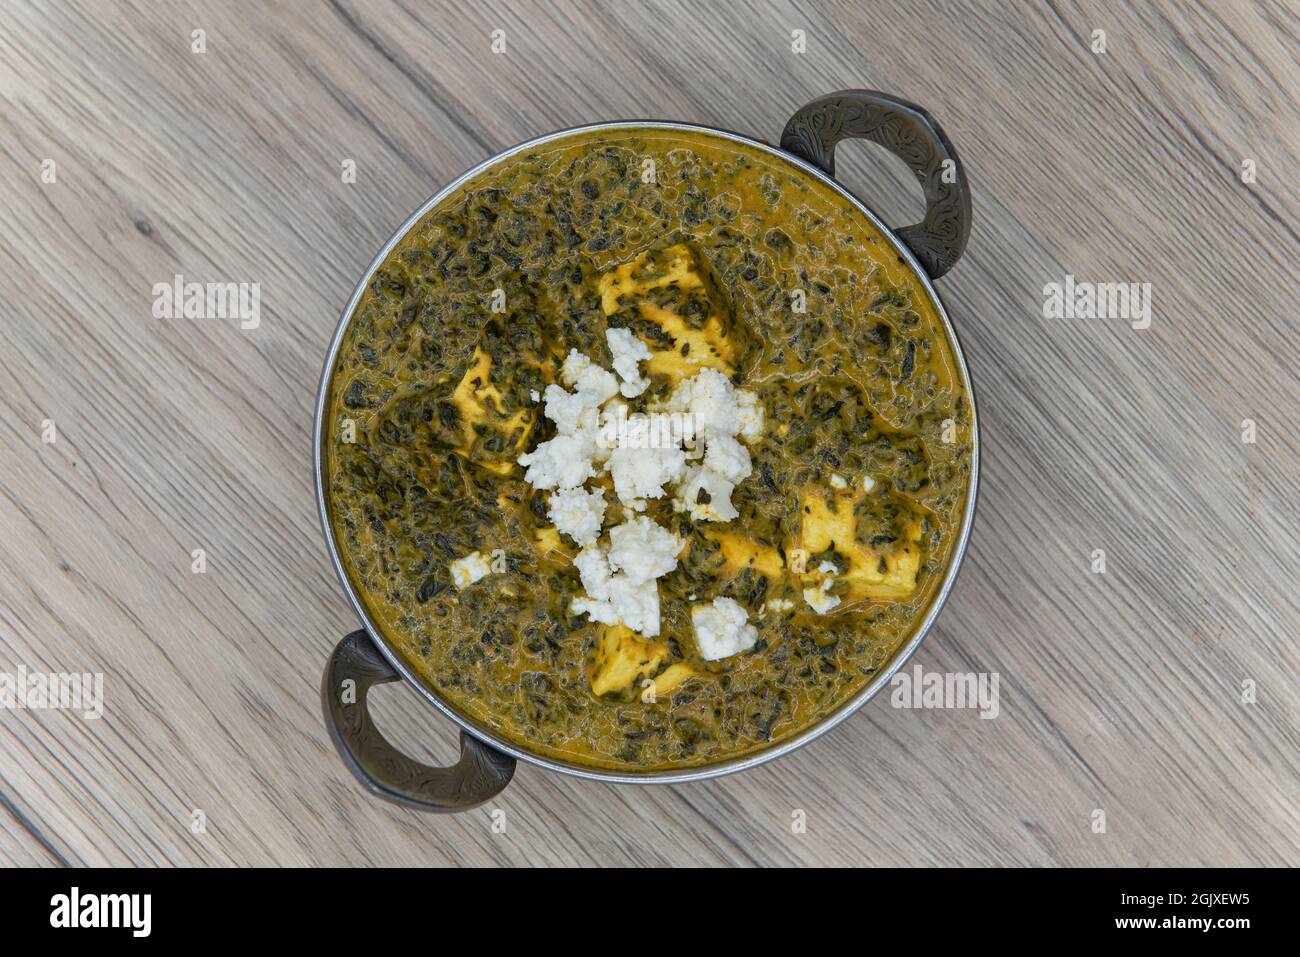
828	524
670	301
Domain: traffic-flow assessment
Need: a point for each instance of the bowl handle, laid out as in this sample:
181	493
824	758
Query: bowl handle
481	773
913	136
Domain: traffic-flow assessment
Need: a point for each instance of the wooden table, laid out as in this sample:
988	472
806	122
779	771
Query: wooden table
1121	692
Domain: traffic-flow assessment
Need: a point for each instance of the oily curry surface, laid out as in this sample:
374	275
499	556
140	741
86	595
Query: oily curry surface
714	255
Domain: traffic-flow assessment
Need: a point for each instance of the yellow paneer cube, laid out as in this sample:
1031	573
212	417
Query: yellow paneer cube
625	661
671	678
479	403
623	658
739	553
872	573
671	289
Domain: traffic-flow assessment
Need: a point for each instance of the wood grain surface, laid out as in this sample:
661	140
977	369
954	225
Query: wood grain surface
1121	692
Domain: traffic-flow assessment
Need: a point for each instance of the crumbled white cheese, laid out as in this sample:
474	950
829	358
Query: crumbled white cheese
628	351
621	582
722	629
598	610
582	375
595	432
638	605
819	599
718	406
575	363
642	550
628	604
566	460
612	597
572	412
646	456
578	513
534	395
611	413
641	473
563	462
718	412
750	413
728	458
868	483
827	568
710	398
706	495
837	481
778	605
593	568
466	571
598	385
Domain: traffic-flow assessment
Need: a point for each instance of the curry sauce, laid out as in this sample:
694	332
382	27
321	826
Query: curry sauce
713	254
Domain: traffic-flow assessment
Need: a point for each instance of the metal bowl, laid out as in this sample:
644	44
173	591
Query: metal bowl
487	762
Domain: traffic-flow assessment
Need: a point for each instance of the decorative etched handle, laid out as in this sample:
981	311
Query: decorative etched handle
913	136
481	773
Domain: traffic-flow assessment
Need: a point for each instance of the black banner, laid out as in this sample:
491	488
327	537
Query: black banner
338	907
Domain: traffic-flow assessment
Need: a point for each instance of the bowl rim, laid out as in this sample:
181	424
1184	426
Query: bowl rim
672	775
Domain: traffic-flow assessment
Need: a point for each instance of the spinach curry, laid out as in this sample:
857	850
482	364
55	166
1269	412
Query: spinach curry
862	469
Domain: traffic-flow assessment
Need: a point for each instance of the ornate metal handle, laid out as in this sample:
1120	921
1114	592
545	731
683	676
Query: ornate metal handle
913	136
481	773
